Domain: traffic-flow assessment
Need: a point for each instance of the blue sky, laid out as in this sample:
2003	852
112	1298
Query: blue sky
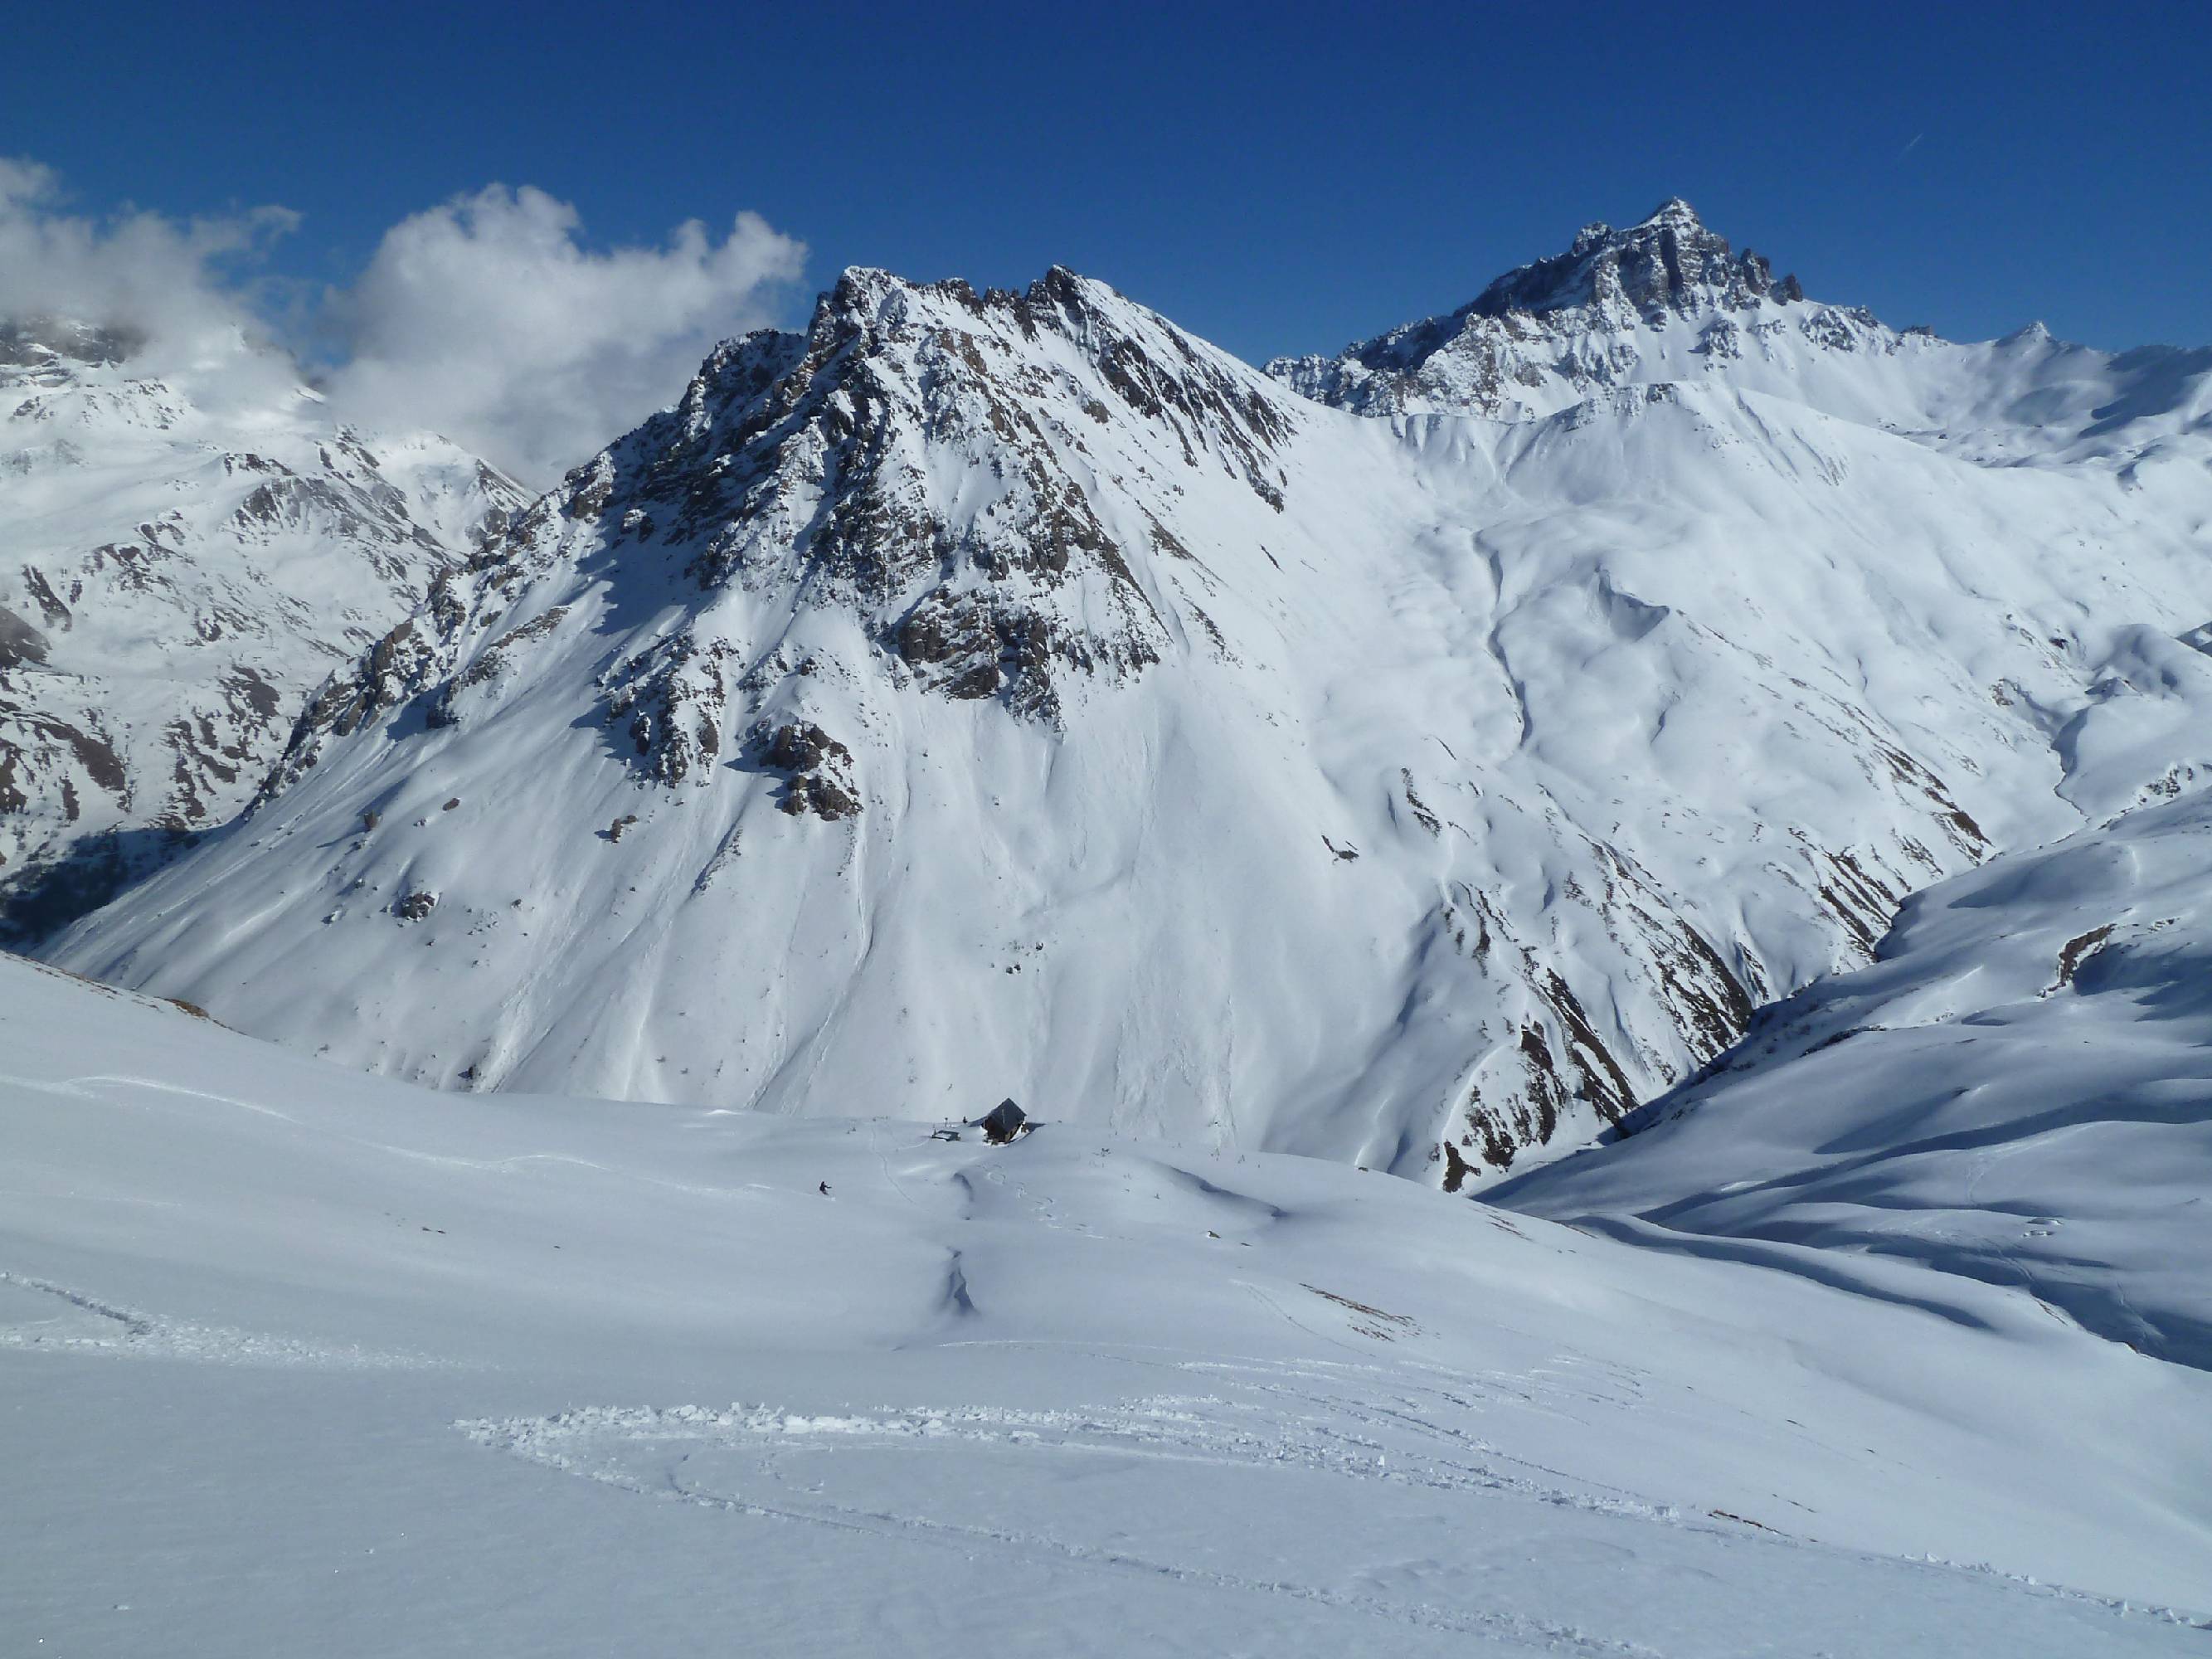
1284	178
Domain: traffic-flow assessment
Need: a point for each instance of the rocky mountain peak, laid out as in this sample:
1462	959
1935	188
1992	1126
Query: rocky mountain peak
1668	262
1666	298
888	310
896	385
1674	210
960	490
1675	213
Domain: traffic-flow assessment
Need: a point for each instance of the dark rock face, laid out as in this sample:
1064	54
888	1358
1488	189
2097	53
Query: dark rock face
395	668
671	698
819	766
20	642
1670	262
803	748
796	459
1562	1061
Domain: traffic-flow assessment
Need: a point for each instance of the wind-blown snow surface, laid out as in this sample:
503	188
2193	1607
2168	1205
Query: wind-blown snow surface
184	555
2019	1090
302	1359
1008	693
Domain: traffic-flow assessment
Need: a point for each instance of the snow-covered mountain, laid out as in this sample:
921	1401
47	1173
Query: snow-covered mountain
292	1350
978	694
1669	300
2017	1090
178	571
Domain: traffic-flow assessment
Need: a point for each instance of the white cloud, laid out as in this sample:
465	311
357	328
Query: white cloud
488	320
189	286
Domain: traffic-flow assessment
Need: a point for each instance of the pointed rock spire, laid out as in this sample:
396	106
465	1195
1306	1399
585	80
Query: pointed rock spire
1668	262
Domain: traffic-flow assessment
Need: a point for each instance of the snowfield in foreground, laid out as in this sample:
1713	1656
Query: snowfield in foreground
297	1360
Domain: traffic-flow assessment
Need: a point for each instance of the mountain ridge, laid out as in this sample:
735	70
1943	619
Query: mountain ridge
1006	692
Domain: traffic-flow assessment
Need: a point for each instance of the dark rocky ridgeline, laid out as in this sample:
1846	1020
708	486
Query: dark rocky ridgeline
401	664
1670	262
799	470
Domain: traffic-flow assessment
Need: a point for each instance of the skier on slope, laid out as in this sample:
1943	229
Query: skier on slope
822	1188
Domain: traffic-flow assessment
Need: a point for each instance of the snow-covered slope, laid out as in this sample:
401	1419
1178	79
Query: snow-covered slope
2019	1090
1008	693
300	1358
177	571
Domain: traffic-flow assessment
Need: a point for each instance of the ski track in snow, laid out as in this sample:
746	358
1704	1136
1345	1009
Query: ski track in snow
591	1442
38	1315
1287	1418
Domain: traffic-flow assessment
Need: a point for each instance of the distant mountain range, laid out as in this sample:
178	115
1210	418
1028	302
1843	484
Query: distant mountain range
174	580
1418	758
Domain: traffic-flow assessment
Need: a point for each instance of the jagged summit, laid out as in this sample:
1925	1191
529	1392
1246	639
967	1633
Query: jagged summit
1668	262
971	482
879	308
1675	209
871	290
1664	299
